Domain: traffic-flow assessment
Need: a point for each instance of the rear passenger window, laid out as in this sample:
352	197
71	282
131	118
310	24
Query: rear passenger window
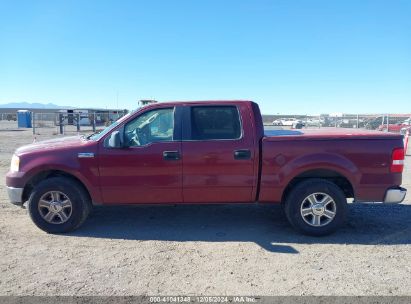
215	122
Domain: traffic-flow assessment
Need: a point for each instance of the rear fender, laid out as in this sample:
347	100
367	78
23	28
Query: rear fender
324	161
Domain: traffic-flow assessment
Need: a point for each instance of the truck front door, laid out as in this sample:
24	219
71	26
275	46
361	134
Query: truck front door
149	168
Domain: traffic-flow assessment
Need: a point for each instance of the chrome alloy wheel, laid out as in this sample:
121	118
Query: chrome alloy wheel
318	209
55	207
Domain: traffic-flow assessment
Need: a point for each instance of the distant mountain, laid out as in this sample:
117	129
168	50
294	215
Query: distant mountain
34	105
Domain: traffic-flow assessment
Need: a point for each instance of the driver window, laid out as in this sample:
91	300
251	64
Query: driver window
152	126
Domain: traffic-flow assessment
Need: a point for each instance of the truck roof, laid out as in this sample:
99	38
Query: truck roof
202	102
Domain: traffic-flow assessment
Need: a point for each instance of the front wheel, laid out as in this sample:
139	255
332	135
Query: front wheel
58	205
316	207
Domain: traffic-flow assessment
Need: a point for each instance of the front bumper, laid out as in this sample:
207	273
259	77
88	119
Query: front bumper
15	195
395	196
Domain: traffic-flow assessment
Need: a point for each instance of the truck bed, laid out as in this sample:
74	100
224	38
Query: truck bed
327	134
335	152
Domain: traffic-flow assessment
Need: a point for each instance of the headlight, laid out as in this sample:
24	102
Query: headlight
15	164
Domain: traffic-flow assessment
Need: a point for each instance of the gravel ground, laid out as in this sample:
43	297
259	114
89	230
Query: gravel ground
202	250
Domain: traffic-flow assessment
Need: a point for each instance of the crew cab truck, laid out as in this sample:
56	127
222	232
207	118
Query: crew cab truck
207	152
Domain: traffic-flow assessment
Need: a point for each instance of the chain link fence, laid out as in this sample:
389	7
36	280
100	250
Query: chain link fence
381	122
8	121
61	122
89	122
71	123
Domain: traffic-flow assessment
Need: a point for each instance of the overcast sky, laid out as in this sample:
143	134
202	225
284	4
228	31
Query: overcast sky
290	56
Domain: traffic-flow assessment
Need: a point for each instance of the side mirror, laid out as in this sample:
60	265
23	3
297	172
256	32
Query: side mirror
114	140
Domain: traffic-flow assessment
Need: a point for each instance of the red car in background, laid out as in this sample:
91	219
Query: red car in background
395	127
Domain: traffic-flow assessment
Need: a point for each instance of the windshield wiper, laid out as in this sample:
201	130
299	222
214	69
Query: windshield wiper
92	134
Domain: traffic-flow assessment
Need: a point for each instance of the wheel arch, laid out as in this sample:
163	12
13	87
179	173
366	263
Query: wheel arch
46	174
333	176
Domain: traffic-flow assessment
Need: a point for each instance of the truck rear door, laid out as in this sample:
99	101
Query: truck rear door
219	154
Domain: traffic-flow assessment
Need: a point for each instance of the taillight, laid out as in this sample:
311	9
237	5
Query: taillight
397	158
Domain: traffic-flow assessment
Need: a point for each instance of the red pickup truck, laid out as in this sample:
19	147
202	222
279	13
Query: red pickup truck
207	152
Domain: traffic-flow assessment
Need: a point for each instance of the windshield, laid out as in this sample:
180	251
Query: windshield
98	135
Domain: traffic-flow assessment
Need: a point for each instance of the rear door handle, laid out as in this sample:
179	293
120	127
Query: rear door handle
171	155
242	154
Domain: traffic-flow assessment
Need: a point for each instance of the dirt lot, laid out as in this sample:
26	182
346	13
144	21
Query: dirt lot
208	250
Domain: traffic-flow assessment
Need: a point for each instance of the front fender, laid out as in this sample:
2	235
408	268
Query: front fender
83	169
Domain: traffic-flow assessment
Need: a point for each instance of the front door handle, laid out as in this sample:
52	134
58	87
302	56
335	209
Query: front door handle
171	155
242	154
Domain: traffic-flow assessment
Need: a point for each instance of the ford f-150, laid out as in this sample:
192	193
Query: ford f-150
207	152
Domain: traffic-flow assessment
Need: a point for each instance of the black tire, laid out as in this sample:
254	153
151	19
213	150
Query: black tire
79	199
297	200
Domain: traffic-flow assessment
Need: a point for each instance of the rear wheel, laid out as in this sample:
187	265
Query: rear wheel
58	205
316	207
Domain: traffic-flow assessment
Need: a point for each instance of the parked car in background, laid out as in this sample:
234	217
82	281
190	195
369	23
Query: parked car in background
12	117
289	122
396	128
207	152
298	125
314	122
277	122
407	122
373	123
